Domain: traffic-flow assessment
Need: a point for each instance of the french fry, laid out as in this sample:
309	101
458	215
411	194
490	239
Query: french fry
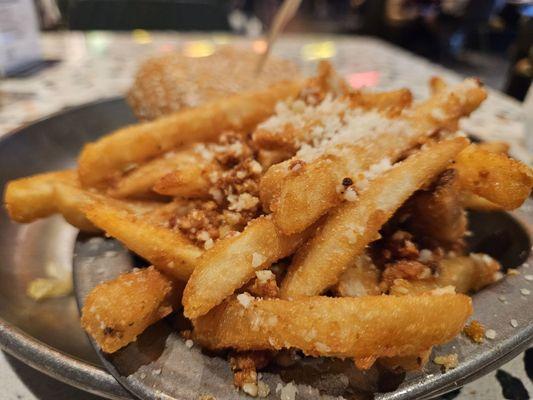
40	196
391	103
360	279
233	261
357	327
169	251
313	187
437	215
465	274
188	180
494	147
495	177
437	85
108	158
140	182
118	311
472	201
31	198
350	227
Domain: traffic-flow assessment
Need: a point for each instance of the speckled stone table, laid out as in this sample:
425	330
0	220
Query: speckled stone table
98	65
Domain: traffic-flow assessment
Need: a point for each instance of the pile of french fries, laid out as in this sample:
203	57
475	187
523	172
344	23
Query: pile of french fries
331	223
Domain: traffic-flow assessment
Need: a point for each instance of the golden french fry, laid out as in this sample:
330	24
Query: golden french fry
390	103
350	227
494	147
110	157
31	198
437	85
169	251
42	195
360	279
472	201
118	311
140	181
233	261
495	177
465	274
314	187
437	215
357	327
188	180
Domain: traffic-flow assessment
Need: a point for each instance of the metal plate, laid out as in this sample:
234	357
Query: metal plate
159	365
47	335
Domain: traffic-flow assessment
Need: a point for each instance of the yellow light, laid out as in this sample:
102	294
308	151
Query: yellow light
199	48
221	39
259	46
318	50
141	36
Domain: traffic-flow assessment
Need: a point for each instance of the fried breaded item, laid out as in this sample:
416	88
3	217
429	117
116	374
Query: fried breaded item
357	327
129	146
351	226
116	312
173	82
438	217
494	176
168	250
233	261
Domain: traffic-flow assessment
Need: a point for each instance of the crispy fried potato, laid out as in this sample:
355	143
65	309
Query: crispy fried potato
472	201
437	85
438	218
169	251
495	177
494	147
313	187
31	198
233	261
360	279
391	103
465	274
358	327
189	180
140	181
350	227
118	311
108	158
42	195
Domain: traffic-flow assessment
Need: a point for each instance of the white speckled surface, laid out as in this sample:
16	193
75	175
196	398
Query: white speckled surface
101	65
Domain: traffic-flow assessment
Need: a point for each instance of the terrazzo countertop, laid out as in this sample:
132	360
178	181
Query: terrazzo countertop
98	65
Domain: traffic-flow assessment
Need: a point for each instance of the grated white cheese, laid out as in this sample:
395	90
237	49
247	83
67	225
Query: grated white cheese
250	388
264	275
263	390
245	299
490	334
257	259
443	290
287	392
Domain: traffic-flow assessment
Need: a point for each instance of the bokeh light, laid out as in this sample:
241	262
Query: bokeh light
198	48
141	36
259	46
363	79
318	50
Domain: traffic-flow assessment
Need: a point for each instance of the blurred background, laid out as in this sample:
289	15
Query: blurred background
492	39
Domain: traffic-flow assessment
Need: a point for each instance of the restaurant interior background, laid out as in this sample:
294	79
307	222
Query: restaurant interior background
491	39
